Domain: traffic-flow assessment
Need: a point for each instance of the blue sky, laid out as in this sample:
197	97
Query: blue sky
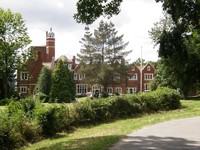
134	21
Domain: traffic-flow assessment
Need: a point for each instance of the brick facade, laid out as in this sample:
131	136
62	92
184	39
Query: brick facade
45	55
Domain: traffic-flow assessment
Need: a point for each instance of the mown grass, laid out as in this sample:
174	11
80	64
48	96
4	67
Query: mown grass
101	137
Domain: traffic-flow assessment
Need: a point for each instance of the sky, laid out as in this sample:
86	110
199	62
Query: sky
134	21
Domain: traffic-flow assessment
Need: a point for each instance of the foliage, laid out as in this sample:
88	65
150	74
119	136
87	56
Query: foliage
184	12
164	24
16	127
139	61
103	136
102	55
63	86
53	119
92	112
13	39
29	120
5	101
179	45
89	11
44	81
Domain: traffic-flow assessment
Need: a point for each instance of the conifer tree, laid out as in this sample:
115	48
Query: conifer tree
107	52
63	86
44	81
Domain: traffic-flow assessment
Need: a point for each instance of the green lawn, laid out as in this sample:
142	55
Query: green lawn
102	136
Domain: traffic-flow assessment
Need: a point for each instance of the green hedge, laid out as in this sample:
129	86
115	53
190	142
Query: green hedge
101	110
30	121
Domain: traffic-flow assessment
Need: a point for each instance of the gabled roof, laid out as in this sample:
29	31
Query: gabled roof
147	65
63	58
143	67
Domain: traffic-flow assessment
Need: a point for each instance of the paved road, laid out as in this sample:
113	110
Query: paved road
181	134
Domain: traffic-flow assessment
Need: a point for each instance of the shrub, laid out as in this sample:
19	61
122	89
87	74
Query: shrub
5	101
29	120
82	113
17	128
31	131
101	109
168	99
42	97
53	119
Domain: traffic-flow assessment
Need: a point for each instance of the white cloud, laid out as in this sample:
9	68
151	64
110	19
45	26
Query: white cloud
134	21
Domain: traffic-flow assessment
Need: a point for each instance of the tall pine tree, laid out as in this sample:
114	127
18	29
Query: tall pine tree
107	52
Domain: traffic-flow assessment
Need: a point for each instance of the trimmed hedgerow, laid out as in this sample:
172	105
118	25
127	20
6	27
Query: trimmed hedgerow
29	120
101	110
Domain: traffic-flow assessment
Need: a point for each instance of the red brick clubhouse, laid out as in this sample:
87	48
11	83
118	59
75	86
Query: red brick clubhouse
137	79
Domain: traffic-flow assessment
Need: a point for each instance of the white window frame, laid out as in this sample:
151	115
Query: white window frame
110	90
75	76
81	76
47	50
24	75
119	90
70	67
23	89
133	76
148	76
146	87
81	89
134	90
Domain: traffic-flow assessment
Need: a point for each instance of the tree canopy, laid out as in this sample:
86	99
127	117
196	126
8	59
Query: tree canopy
102	56
13	39
89	10
63	86
179	47
44	81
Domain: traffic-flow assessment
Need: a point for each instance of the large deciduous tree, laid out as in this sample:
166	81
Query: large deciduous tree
89	10
13	39
63	86
102	55
179	45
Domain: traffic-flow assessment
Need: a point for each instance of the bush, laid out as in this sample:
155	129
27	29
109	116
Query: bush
82	113
28	120
53	119
168	99
5	101
17	127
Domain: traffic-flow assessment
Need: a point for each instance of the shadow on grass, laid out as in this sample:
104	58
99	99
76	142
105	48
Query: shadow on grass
155	143
129	143
93	143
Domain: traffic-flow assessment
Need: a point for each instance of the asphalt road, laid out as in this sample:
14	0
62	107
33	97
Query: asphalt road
181	134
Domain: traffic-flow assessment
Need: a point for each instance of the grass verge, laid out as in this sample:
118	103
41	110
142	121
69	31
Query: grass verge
101	137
